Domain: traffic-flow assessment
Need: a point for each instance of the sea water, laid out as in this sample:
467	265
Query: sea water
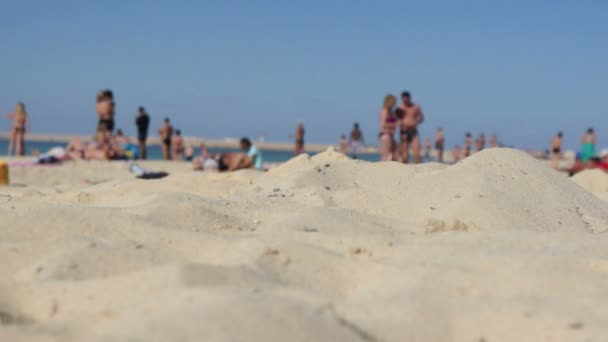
154	151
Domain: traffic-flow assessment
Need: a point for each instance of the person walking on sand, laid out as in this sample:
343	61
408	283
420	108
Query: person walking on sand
165	133
411	119
388	124
356	140
21	123
142	120
177	144
299	139
556	149
588	145
439	144
468	144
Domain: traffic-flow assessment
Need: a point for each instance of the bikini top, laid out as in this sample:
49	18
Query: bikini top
391	118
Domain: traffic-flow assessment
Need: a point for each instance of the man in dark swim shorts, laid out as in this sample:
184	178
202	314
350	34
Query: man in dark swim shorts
409	134
412	117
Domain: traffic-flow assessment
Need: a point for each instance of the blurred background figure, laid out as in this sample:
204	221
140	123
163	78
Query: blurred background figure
439	144
588	145
21	123
356	141
299	139
142	121
556	149
343	144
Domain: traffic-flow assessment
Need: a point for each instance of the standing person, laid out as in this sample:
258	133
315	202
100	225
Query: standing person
468	144
356	140
388	124
480	142
20	124
493	143
412	117
556	149
439	144
588	145
165	133
142	120
177	144
299	139
343	144
105	111
427	149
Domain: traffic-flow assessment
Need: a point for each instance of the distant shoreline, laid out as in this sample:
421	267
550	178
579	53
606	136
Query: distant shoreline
213	143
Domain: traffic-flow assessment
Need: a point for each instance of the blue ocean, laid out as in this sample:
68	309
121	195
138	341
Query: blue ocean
154	151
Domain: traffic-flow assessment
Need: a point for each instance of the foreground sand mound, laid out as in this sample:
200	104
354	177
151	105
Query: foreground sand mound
498	247
494	189
594	180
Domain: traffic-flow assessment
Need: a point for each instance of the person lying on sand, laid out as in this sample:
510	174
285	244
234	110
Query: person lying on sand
205	161
233	161
104	148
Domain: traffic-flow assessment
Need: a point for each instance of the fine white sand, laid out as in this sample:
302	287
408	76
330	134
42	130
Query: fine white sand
498	247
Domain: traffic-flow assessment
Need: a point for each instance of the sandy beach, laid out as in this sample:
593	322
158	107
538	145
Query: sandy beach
498	247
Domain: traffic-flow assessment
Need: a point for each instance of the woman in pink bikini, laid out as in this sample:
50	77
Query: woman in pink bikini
388	124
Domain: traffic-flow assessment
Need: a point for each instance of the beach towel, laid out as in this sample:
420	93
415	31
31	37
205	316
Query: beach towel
142	173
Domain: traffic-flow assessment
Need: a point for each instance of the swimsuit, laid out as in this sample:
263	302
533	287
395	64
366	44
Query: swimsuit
587	151
167	141
556	150
221	166
107	124
409	134
439	145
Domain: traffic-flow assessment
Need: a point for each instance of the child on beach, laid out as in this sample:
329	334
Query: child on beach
20	124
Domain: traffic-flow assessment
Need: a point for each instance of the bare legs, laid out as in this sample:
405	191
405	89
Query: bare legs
20	140
416	148
11	143
142	149
404	150
386	147
16	143
166	151
555	160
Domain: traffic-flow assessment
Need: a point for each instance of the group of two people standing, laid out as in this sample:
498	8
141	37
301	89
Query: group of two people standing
406	117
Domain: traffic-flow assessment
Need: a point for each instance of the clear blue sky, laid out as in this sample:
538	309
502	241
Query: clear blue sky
523	69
